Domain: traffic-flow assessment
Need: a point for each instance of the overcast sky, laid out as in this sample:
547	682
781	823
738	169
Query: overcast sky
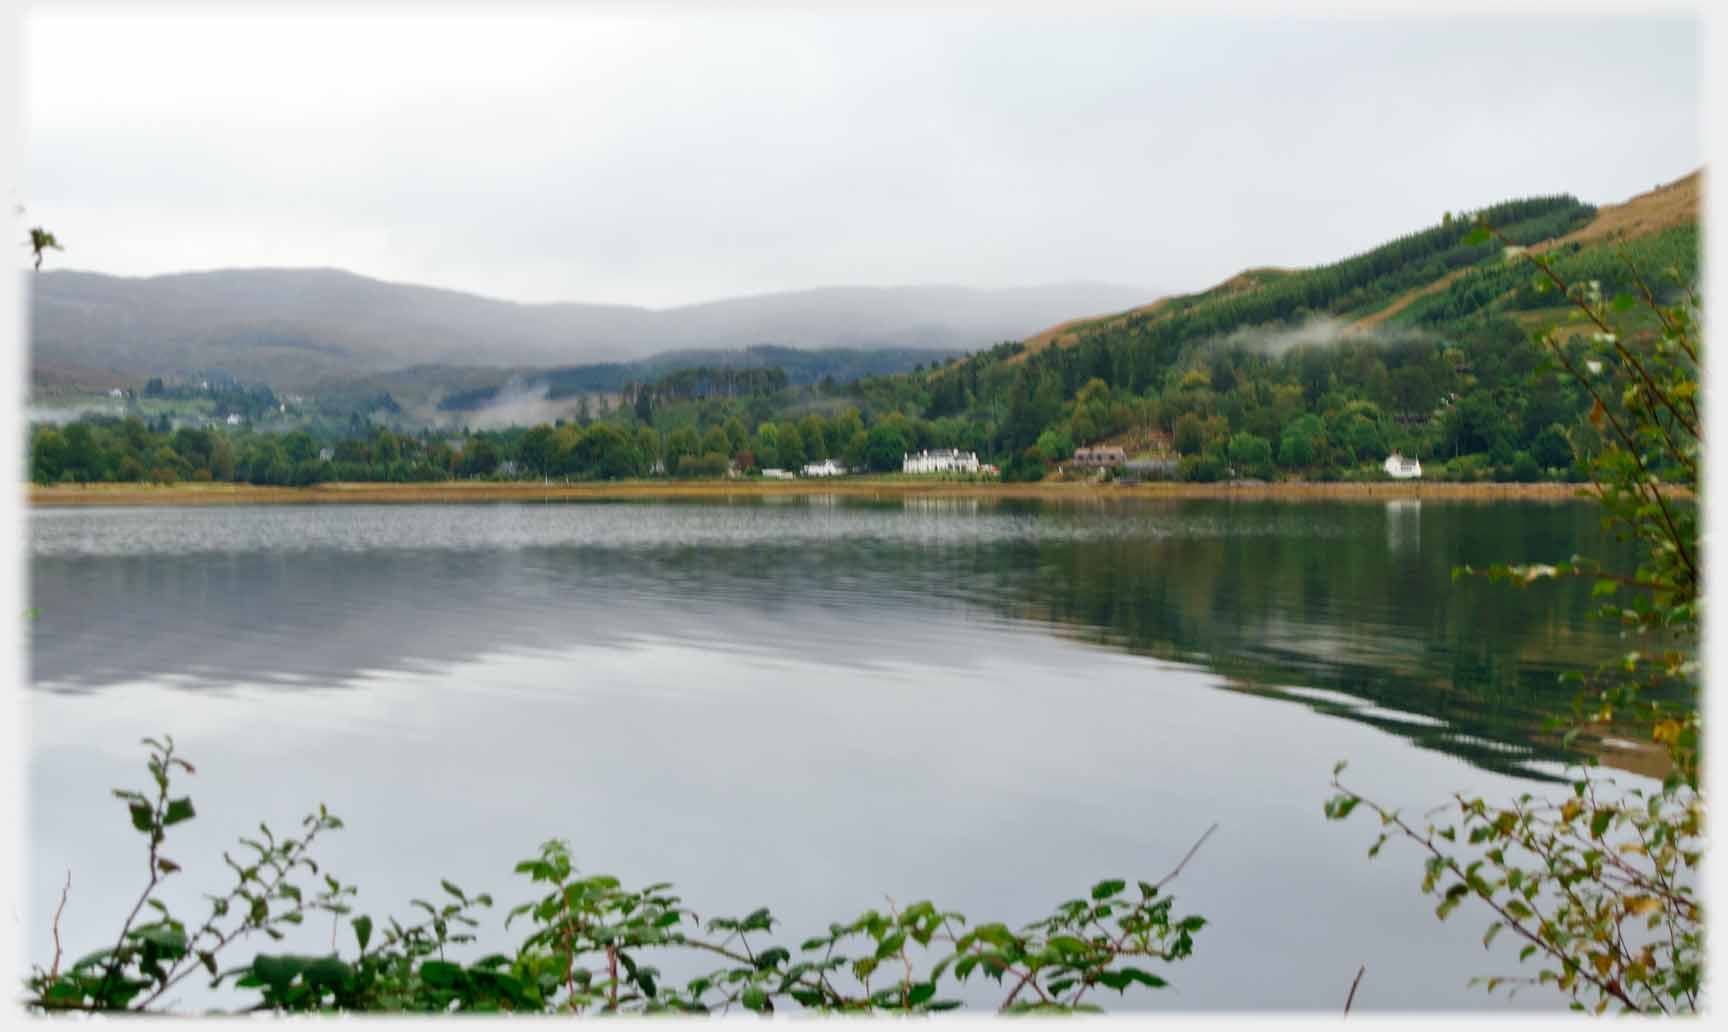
671	158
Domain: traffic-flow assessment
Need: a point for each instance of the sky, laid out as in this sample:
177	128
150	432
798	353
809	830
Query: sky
672	157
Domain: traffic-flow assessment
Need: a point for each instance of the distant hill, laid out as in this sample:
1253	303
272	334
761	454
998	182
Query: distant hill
295	327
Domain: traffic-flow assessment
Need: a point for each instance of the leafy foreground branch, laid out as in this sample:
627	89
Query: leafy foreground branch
1601	885
589	942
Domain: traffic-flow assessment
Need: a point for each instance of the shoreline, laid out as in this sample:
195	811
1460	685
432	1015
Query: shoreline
645	490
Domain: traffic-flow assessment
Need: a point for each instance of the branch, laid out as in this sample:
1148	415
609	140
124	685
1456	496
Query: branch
1645	480
1348	1000
1626	439
156	835
1608	988
1195	848
268	891
54	971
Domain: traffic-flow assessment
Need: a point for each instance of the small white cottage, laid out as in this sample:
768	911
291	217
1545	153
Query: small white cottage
1400	468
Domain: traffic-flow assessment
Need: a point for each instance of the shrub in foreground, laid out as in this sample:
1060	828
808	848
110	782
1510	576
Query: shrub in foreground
588	943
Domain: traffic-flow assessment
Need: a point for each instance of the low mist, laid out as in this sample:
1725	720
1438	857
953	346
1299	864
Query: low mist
1321	331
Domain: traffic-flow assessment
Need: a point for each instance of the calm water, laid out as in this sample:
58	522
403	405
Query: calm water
813	704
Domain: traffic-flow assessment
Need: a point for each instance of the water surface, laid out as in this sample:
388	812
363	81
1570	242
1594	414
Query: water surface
813	703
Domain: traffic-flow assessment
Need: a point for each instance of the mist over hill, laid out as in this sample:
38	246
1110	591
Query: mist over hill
295	327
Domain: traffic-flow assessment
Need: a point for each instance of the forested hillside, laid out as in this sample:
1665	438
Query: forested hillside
1420	346
727	370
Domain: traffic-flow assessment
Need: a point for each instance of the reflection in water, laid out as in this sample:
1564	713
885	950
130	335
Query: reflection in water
877	697
940	506
1404	525
1272	596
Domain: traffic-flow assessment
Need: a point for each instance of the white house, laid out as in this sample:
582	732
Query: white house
233	419
1399	468
776	474
825	468
944	460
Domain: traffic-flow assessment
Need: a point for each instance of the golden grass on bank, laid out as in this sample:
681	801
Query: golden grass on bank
861	487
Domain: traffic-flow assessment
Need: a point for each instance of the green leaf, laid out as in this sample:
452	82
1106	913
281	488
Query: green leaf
754	998
1068	944
440	974
143	818
362	931
277	970
996	934
90	959
1106	889
178	810
920	992
160	934
1599	823
890	945
453	890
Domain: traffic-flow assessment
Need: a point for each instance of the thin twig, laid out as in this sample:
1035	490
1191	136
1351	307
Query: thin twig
1195	848
54	971
1348	1000
612	972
